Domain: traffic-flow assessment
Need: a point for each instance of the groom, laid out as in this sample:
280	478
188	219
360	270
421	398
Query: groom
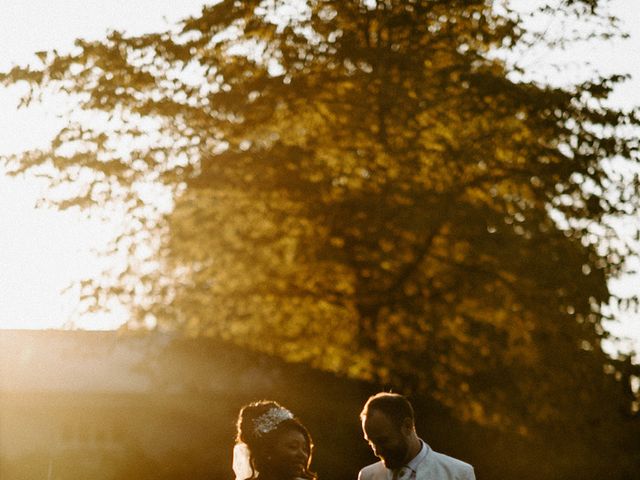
389	426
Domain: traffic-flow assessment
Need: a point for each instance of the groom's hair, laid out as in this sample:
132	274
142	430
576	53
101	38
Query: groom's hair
395	406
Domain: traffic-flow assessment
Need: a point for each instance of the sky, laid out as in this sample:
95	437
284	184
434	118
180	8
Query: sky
42	251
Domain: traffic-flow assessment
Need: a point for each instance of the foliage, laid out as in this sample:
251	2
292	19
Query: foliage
359	185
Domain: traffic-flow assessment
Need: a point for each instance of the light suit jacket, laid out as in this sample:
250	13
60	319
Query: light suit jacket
436	466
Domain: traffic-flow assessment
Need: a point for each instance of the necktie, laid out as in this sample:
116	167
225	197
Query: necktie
403	473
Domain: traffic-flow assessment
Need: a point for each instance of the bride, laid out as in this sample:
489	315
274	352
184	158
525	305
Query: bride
271	444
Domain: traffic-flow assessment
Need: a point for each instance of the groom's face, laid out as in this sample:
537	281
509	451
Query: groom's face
388	441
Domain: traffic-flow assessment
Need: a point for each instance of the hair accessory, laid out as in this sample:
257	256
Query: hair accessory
269	420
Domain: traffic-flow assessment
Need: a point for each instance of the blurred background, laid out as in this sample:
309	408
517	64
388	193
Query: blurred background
211	203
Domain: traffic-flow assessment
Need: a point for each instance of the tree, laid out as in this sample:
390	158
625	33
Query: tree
358	185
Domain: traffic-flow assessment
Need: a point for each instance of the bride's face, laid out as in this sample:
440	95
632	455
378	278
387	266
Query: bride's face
290	454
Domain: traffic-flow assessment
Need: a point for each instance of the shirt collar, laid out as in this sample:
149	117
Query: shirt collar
419	458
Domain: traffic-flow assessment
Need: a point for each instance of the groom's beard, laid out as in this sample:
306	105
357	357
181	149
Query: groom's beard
394	458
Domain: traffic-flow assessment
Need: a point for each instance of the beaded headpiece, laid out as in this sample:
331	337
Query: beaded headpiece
269	420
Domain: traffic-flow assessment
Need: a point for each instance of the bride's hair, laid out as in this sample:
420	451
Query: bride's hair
258	424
